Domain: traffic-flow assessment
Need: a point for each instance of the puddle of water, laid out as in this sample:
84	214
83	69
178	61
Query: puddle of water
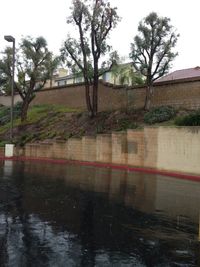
69	215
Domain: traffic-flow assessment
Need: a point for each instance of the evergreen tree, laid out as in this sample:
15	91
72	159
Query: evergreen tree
152	50
34	65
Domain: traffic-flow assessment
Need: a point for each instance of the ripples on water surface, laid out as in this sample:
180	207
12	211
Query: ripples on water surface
70	215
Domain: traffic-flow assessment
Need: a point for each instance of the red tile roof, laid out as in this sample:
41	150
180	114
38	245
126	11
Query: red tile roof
181	74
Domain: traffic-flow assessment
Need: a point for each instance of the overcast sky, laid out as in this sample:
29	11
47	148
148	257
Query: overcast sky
48	18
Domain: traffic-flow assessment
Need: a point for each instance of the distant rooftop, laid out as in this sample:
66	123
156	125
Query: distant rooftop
181	74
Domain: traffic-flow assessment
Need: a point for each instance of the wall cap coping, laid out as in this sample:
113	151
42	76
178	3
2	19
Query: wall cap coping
44	144
60	141
88	137
32	144
119	132
135	130
172	127
104	135
74	139
62	87
122	87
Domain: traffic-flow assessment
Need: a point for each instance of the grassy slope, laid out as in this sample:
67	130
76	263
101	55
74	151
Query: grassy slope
57	122
42	123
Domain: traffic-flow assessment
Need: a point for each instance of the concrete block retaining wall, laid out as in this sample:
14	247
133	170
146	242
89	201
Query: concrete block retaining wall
183	93
164	148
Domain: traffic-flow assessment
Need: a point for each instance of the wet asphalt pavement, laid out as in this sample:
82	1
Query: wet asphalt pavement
70	215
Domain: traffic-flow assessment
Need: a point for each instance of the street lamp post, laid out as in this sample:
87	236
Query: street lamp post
11	39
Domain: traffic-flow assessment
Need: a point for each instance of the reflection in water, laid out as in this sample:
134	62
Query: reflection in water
7	168
57	215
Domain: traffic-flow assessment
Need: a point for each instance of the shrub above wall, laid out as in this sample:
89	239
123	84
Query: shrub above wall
159	114
192	119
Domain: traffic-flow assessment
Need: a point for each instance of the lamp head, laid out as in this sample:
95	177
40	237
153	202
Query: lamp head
9	38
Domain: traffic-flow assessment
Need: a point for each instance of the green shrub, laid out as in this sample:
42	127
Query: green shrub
159	114
3	143
17	109
99	128
192	119
125	124
5	113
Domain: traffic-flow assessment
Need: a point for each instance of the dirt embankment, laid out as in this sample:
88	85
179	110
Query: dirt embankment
63	125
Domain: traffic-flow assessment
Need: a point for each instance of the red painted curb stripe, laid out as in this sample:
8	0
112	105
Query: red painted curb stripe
107	165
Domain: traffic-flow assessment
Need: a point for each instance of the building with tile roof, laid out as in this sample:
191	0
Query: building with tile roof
181	75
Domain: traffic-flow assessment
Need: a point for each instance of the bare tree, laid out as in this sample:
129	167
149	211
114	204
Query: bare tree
94	20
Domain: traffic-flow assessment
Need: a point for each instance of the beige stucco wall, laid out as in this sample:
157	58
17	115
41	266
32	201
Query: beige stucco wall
89	148
60	149
179	149
46	151
104	148
74	149
175	149
150	147
119	147
135	144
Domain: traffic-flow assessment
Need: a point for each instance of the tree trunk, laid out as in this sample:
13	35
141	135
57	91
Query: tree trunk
87	97
24	110
95	96
95	88
148	99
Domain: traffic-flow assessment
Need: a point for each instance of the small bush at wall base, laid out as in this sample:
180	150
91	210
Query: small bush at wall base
3	143
159	114
99	129
192	119
124	125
